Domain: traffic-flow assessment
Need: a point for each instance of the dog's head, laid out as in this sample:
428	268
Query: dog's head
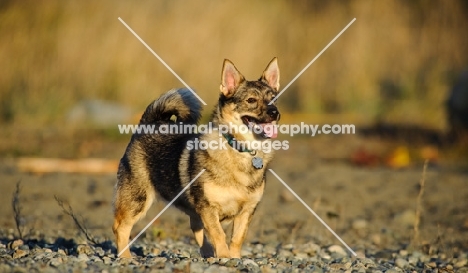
247	103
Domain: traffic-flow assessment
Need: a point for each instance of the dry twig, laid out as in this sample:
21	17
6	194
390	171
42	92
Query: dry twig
15	203
68	210
419	205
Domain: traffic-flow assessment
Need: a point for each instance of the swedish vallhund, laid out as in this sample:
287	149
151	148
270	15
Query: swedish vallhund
233	180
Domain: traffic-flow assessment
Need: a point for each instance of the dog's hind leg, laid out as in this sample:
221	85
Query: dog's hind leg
206	249
129	207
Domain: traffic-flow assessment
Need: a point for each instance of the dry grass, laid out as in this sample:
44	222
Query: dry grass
77	220
17	211
419	207
56	53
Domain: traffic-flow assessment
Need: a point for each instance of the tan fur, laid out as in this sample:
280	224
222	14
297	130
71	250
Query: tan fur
124	221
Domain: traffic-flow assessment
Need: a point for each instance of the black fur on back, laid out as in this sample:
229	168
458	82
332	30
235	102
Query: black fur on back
179	102
156	156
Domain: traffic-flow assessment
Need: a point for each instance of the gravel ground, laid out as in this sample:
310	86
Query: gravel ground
66	255
372	209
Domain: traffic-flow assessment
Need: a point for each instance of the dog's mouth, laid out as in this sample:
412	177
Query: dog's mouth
266	129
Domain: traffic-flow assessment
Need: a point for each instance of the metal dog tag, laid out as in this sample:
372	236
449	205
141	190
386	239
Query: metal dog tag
257	162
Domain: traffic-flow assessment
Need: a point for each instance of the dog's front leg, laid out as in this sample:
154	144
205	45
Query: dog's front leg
206	249
239	231
215	232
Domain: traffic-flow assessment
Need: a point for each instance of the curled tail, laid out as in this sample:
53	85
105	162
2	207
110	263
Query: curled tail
180	103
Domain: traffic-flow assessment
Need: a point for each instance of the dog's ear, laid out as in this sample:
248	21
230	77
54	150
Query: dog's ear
231	78
271	75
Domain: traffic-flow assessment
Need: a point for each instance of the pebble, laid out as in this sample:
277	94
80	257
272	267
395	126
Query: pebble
100	251
301	255
155	251
311	249
15	244
337	266
84	249
185	253
23	247
213	269
317	270
56	262
19	253
285	253
232	262
384	255
269	249
338	250
196	267
107	260
223	261
401	263
359	224
83	257
211	260
461	262
249	262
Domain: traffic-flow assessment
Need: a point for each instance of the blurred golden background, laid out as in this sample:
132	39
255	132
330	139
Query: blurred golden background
395	64
71	72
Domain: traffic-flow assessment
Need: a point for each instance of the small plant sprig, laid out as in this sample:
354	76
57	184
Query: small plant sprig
419	205
68	210
16	205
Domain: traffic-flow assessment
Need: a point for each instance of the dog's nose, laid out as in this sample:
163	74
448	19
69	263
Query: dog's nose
273	112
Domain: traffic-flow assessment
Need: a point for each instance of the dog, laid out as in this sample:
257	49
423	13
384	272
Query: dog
233	180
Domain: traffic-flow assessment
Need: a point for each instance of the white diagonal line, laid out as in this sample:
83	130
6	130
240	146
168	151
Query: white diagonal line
161	60
311	62
313	212
162	211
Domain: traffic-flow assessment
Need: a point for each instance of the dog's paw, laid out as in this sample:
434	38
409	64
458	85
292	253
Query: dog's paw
235	253
207	251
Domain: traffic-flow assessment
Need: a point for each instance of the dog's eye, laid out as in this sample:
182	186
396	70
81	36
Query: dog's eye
251	100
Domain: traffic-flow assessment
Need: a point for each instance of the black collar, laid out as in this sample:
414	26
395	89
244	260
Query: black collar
236	145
